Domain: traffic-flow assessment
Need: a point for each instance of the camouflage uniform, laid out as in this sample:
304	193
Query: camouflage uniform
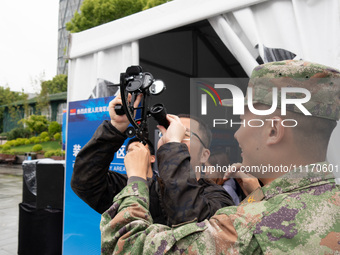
290	215
297	213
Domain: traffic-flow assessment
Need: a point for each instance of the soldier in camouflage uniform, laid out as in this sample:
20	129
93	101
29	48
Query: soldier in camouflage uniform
295	212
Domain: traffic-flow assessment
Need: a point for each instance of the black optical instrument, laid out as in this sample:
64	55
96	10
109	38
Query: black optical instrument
134	81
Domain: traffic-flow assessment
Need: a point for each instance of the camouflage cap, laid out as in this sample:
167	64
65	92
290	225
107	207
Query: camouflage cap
321	81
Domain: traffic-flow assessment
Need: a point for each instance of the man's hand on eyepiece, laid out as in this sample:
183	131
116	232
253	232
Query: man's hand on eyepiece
137	160
174	133
121	122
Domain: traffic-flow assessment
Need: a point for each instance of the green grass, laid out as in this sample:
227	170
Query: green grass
51	145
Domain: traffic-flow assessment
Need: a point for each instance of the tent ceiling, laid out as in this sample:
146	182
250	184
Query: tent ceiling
189	51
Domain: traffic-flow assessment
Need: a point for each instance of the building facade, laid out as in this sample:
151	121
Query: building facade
67	8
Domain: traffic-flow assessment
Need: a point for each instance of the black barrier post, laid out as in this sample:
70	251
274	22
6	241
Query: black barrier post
41	210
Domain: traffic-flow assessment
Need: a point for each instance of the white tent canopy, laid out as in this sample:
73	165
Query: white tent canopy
300	29
114	45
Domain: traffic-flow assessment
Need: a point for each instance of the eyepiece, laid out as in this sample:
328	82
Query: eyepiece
158	112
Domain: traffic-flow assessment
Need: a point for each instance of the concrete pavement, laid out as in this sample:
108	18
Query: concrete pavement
10	197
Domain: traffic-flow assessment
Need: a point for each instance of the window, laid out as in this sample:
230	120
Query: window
61	108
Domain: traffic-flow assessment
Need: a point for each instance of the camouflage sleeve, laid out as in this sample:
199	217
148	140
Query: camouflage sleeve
127	217
127	228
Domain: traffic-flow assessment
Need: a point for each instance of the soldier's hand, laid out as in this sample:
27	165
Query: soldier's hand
247	182
121	122
174	133
137	160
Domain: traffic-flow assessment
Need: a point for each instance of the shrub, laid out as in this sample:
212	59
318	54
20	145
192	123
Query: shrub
54	128
37	147
27	141
19	132
6	147
49	154
46	139
16	143
36	140
59	153
19	141
57	136
9	152
43	135
10	143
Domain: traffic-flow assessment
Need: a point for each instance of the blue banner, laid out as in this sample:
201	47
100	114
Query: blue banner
81	222
63	130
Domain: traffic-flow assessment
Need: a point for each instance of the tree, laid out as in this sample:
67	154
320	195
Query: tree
152	3
97	12
56	85
42	99
7	97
